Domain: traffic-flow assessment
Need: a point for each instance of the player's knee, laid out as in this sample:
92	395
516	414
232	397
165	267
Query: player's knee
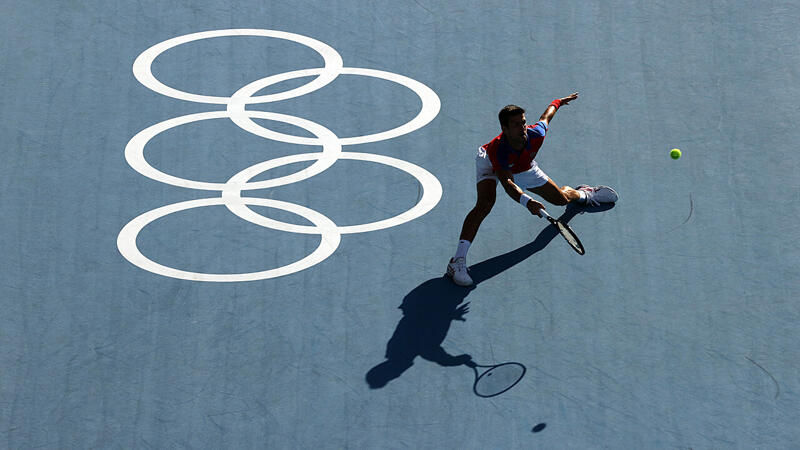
561	200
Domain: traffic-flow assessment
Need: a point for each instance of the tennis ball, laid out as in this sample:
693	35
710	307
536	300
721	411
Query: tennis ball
675	153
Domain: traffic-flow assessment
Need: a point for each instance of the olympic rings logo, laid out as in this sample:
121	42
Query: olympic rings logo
231	190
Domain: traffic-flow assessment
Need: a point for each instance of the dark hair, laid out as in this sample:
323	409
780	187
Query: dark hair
508	111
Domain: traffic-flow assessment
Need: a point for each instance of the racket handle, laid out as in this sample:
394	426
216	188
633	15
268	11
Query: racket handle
544	214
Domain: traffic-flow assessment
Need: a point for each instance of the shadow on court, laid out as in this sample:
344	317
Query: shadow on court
430	308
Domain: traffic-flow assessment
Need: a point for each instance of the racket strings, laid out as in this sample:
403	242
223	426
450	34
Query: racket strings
499	379
567	233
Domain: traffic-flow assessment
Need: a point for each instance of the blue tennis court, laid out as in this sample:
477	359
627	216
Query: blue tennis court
226	225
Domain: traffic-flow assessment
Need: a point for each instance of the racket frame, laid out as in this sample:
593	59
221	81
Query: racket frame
564	228
489	369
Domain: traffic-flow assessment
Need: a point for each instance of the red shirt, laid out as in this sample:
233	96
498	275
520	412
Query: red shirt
503	157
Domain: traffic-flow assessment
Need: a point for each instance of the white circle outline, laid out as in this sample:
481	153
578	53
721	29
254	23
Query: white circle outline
126	241
431	106
134	151
432	193
142	66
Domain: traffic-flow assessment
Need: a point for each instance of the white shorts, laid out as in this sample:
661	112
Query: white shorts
532	178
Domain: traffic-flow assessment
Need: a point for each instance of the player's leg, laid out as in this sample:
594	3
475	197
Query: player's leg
540	184
582	194
487	194
552	193
457	267
486	185
536	181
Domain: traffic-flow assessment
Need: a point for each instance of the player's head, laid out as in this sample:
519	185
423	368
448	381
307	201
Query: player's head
507	112
512	121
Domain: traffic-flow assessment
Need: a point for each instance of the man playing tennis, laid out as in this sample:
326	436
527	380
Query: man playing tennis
509	159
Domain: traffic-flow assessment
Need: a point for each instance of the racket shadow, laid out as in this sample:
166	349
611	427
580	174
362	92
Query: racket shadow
489	268
430	309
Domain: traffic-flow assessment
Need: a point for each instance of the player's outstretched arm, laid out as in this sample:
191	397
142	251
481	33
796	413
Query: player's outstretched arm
513	191
553	107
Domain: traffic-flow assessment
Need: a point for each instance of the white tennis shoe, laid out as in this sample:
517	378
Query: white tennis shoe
598	194
457	270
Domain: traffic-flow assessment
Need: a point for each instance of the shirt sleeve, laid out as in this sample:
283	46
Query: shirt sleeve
539	128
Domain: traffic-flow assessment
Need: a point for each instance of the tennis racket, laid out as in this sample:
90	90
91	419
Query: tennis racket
496	379
566	231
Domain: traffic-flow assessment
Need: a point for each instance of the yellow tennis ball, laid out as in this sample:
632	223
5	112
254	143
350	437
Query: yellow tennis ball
675	153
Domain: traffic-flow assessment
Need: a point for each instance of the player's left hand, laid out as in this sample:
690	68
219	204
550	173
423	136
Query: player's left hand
534	207
458	314
569	98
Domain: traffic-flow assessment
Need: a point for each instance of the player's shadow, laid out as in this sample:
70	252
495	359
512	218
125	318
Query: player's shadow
430	308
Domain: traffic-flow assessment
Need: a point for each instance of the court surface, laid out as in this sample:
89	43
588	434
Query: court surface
237	239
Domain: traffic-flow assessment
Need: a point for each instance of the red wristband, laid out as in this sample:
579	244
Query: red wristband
556	103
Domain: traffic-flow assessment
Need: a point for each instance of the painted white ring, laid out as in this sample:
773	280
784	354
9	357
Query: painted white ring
126	241
231	190
142	66
241	117
134	151
432	193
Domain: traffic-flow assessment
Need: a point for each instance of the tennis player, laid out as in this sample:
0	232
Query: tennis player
509	160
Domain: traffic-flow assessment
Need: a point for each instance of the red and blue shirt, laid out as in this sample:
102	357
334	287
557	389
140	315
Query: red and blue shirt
504	157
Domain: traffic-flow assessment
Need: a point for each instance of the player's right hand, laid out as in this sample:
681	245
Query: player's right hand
534	207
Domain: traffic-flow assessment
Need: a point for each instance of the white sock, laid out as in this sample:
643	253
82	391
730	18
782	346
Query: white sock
463	247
